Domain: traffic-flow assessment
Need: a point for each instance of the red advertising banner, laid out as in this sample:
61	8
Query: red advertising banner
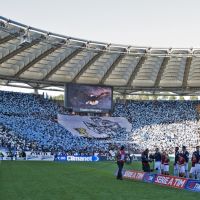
171	181
135	175
159	179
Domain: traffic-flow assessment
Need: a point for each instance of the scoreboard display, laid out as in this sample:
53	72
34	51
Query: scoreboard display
89	98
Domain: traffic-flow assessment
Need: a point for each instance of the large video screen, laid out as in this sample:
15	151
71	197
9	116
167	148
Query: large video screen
89	98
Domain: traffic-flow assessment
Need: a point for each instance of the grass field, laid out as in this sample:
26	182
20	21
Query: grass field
32	180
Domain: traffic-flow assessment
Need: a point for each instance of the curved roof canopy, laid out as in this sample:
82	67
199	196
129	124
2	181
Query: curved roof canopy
41	58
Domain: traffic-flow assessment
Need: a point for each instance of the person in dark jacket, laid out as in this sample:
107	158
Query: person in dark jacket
176	155
197	164
186	157
157	157
145	161
120	162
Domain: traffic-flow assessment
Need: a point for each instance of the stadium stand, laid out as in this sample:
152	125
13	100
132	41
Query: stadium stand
40	59
163	124
31	118
28	122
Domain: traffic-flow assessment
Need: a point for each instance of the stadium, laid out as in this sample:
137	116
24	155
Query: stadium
68	149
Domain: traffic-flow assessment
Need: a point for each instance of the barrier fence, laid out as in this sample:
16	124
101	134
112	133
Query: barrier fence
56	158
49	157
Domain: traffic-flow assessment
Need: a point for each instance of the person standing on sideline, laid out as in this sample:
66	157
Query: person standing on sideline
193	169
176	155
166	163
186	157
157	158
145	161
181	165
162	162
120	162
197	164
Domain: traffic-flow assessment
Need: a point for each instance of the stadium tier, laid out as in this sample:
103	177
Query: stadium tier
29	122
41	58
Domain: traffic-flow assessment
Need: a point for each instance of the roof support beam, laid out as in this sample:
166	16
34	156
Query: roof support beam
30	81
6	39
67	59
33	62
186	72
135	71
19	50
90	62
189	91
162	69
112	67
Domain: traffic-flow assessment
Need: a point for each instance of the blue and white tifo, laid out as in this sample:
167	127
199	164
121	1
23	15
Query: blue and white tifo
77	158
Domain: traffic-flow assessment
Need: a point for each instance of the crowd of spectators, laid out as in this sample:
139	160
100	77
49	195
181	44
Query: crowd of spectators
162	124
31	118
27	122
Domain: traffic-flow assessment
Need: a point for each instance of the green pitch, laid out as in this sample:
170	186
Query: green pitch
34	180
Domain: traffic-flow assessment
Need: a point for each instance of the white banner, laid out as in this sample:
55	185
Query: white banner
98	127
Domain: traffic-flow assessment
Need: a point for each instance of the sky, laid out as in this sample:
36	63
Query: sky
152	23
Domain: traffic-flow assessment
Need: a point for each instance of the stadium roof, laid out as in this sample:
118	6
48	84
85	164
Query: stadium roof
40	58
